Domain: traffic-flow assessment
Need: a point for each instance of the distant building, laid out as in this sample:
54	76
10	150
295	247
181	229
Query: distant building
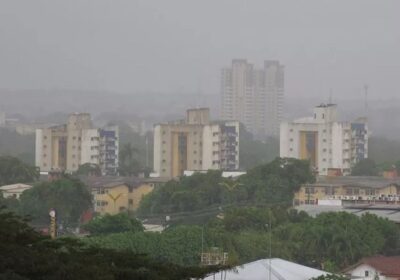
195	143
339	190
66	147
254	97
326	142
14	190
376	268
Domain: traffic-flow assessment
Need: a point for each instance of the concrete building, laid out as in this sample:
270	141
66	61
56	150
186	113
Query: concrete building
66	147
254	96
326	142
195	144
349	189
113	195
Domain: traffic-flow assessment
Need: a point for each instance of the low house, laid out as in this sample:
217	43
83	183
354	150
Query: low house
269	269
375	268
349	189
14	190
113	195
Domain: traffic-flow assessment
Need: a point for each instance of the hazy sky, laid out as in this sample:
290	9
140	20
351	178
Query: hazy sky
180	45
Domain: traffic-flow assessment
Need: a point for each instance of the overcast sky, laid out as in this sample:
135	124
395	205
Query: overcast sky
181	45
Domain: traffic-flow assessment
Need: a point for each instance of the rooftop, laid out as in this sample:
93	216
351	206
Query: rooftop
280	269
355	181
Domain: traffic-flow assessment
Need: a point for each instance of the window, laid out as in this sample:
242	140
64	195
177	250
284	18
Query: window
45	137
195	161
366	273
163	151
194	152
163	142
44	146
74	138
291	149
324	140
291	139
130	201
163	132
323	116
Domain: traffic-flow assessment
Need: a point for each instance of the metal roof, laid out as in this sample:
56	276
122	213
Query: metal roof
355	181
269	269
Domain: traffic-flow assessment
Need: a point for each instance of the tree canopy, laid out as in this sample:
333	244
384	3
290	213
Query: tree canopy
13	170
89	169
24	254
271	183
113	224
365	167
69	196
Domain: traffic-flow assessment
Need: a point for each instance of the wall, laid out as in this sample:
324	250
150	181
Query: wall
360	270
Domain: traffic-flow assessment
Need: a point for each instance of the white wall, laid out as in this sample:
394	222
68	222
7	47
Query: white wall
360	270
90	148
38	148
157	149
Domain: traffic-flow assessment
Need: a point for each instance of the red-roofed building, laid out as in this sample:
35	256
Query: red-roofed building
376	268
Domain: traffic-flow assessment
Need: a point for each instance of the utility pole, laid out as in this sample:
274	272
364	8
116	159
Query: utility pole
53	224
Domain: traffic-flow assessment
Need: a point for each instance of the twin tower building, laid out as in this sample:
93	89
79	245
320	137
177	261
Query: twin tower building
251	96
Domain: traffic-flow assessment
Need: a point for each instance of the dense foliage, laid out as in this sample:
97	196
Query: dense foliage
113	224
17	145
89	169
69	196
365	167
331	241
271	183
13	170
254	152
24	254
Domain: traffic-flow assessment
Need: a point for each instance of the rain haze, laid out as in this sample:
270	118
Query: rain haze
180	46
200	139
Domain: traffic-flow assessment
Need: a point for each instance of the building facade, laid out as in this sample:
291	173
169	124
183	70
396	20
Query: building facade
254	97
195	144
341	190
66	147
326	142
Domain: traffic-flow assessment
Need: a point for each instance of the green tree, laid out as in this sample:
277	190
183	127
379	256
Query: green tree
69	196
89	169
13	170
254	152
24	254
365	167
113	224
128	162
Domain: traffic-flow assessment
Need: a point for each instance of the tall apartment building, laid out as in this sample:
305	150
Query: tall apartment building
195	143
66	147
326	142
254	96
